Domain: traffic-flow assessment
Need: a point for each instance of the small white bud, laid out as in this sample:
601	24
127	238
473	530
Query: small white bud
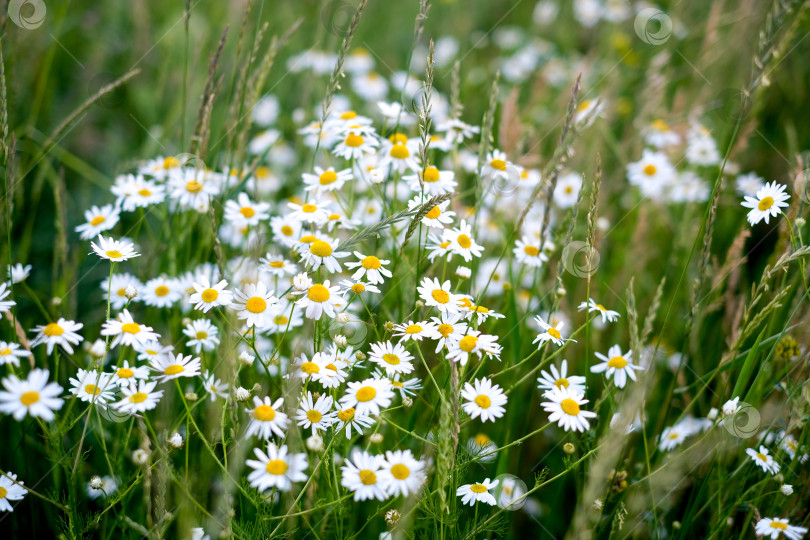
376	438
247	358
301	282
130	292
340	340
56	301
713	412
376	176
176	440
598	505
343	318
315	443
463	272
140	456
98	349
191	396
407	402
786	489
96	482
242	394
392	517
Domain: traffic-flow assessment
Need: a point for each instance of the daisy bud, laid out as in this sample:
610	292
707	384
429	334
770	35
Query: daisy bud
376	176
301	282
186	321
343	318
569	448
713	412
800	221
463	272
130	292
407	402
392	517
56	301
247	358
376	438
676	525
786	490
779	478
730	521
140	456
98	349
242	394
507	286
191	396
176	440
389	326
96	482
561	291
360	356
602	223
340	340
257	388
315	443
419	304
598	504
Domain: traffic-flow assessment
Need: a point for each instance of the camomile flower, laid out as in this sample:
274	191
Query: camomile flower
214	386
277	265
152	350
98	220
560	379
478	492
362	474
672	437
349	418
254	304
203	335
565	409
316	212
448	328
776	527
286	230
138	398
127	375
175	366
461	241
244	212
749	183
114	250
456	131
369	266
5	305
192	188
326	180
101	487
437	217
483	399
306	368
207	296
322	252
10	353
482	313
355	141
660	135
405	388
357	287
368	397
607	314
33	395
133	192
117	289
616	365
315	414
62	333
393	358
528	251
438	295
767	203
92	387
552	333
334	373
566	192
18	273
415	331
763	459
481	448
496	166
11	489
397	154
282	318
126	331
266	419
402	474
277	468
435	182
161	292
653	174
462	347
320	299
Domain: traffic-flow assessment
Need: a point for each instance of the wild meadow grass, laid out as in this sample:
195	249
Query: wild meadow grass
363	269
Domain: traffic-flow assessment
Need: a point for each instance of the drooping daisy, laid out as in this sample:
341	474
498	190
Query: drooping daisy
767	203
565	409
478	492
560	379
326	180
617	365
368	397
552	333
462	347
528	251
11	489
62	333
98	220
18	273
322	252
244	212
138	398
254	304
607	314
5	305
776	527
393	358
320	299
92	387
438	295
207	296
277	468
10	353
114	250
203	335
369	266
126	331
175	366
763	459
266	418
416	331
127	375
402	473
315	414
362	475
33	395
483	399
349	418
214	386
435	182
161	292
462	242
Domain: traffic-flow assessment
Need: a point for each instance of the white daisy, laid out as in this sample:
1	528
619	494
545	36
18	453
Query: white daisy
393	358
10	353
362	475
461	347
369	266
552	333
140	397
33	395
315	414
763	459
117	289
92	387
528	251
254	304
161	292
356	141
323	252
478	492
127	332
5	305
561	379
402	473
266	419
62	333
127	375
320	299
434	182
316	212
214	386
326	180
776	527
349	419
416	331
617	365
449	328
767	203
98	220
203	335
368	396
277	468
483	399
207	296
607	314
175	366
565	409
462	242
244	212
11	489
438	295
114	250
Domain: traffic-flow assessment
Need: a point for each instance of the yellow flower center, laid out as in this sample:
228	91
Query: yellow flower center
162	290
319	248
318	293
553	332
333	367
765	203
201	335
310	368
399	151
276	467
92	389
348	115
762	456
778	525
468	343
431	174
131	328
400	471
264	413
247	211
617	362
478	488
327	178
144	192
371	263
358	288
209	295
482	439
660	125
366	393
277	264
256	304
444	245
122	292
314	416
3	492
346	414
570	407
398	138
125	373
354	140
29	398
498	164
584	105
561	383
440	296
173	369
97	220
308	239
280	319
650	169
309	208
137	397
483	401
113	254
286	230
367	477
434	213
194	187
53	329
413	329
464	241
445	329
391	359
171	162
531	251
5	352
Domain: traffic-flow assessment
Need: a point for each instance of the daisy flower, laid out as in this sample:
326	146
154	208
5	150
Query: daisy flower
560	379
33	395
653	174
369	266
437	295
277	468
214	386
244	212
254	303
114	250
161	292
618	365
10	353
326	180
607	314
152	350
349	419
283	317
496	166
456	131
277	265
479	492
306	368
207	296
116	289
92	387
106	486
322	252
435	182
462	347
462	243
62	333
776	527
768	202
127	375
481	448
126	331
192	188
266	419
11	489
203	335
315	414
763	459
368	396
402	473
397	154
320	299
316	212
528	251
393	358
285	230
362	474
564	406
566	192
552	333
134	192
448	328
98	220
175	366
482	313
138	398
357	287
5	305
672	437
356	141
437	217
483	399
416	331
